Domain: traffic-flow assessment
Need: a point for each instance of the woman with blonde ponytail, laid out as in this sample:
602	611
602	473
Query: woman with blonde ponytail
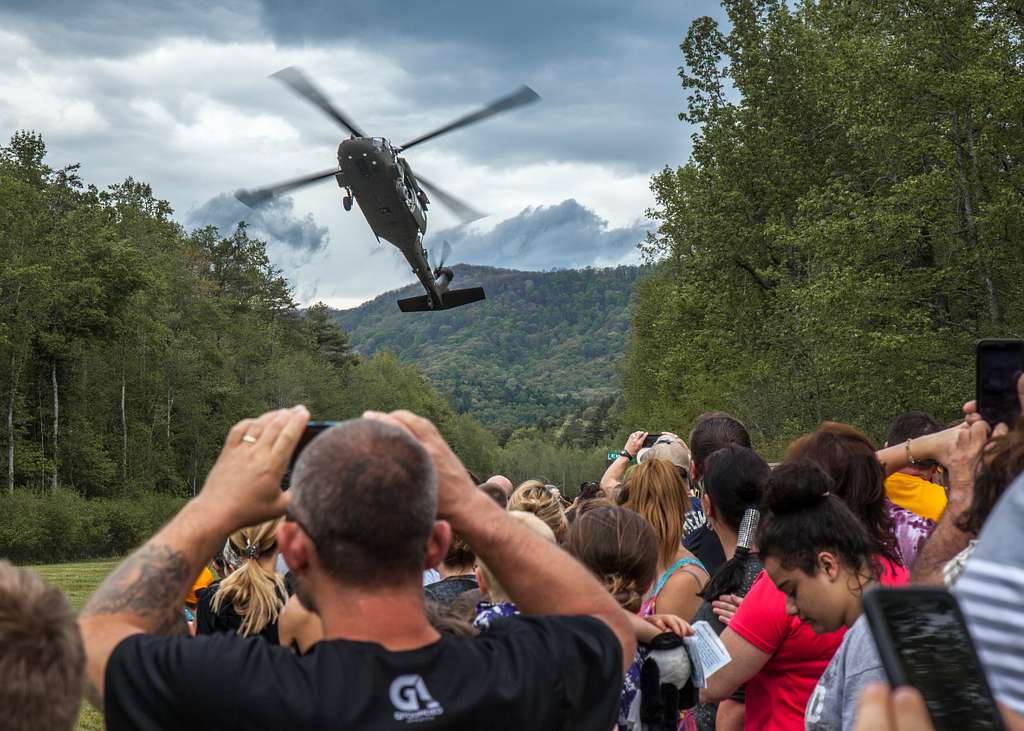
249	600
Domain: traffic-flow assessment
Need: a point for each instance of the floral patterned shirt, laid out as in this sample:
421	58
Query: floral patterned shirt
487	612
911	531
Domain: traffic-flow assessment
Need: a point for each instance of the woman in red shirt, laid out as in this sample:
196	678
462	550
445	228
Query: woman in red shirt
778	656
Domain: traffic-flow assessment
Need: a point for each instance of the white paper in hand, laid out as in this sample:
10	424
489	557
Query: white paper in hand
707	653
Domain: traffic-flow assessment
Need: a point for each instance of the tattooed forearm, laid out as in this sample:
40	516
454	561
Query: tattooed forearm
150	582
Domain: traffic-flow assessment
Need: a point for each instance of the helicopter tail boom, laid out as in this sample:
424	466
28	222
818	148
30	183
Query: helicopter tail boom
451	298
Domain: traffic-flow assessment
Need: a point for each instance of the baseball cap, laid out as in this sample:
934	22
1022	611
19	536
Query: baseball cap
668	449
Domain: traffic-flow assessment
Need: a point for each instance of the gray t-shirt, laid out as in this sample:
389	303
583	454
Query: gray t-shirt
833	705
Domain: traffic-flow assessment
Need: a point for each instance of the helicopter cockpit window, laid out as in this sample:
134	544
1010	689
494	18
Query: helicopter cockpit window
378	142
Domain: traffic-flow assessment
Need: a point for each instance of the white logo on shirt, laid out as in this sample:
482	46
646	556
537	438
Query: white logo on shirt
412	700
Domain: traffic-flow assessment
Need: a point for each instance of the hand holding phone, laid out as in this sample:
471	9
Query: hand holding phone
651	439
999	363
312	431
923	642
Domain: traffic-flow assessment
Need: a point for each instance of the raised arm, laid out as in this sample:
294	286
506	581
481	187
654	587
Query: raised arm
146	593
928	447
947	540
539	576
612	477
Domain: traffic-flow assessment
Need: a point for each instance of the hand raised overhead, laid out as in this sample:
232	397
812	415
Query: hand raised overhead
244	486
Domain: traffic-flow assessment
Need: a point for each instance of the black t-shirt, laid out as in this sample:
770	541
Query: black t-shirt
704	544
524	672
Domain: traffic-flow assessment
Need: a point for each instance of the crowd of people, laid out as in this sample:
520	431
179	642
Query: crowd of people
388	587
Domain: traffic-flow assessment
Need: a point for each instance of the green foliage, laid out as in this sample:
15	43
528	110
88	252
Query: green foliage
846	229
62	526
543	347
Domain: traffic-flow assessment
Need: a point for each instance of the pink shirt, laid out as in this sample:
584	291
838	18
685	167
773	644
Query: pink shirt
777	695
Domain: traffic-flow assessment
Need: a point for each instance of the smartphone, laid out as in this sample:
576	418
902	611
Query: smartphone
651	439
999	362
923	642
312	431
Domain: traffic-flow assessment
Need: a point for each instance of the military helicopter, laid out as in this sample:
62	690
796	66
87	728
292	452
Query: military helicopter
393	200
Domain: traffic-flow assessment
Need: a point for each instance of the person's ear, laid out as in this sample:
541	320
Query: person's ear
707	507
484	589
828	564
438	542
693	471
295	546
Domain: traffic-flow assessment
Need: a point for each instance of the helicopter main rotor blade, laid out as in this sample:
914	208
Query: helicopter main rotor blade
523	95
463	210
301	85
466	212
259	196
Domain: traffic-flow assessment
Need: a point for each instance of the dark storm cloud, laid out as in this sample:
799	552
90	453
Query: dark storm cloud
274	221
606	70
118	27
563	236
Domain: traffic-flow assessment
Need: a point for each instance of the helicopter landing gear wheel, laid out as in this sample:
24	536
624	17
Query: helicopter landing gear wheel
346	202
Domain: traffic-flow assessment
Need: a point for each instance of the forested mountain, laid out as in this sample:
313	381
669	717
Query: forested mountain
850	220
541	346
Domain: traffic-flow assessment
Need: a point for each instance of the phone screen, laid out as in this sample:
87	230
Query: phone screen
923	642
312	431
651	439
999	362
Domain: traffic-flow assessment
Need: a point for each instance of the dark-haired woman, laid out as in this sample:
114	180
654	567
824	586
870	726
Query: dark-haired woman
712	431
850	459
733	481
776	654
821	556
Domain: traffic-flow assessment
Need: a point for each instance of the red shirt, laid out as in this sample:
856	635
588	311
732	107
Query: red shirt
777	696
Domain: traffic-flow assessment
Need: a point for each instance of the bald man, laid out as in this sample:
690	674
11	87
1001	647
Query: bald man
503	482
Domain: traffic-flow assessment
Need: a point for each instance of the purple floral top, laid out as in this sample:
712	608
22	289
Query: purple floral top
631	685
487	612
911	531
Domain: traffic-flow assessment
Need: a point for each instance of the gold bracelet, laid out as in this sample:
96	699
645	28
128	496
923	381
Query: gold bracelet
910	457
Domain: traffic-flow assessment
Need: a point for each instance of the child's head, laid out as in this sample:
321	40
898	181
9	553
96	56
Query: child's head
489	585
619	547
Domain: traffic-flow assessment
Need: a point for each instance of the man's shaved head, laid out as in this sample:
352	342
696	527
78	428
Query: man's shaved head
366	493
504	483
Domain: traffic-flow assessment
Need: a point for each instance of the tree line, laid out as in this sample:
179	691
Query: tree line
849	222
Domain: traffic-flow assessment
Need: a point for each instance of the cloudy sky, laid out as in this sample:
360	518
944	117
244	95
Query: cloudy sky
177	94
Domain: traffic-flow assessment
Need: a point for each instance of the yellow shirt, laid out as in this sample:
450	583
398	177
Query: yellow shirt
917	495
204	579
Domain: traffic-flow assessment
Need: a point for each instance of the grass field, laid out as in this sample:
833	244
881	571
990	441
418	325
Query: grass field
77	581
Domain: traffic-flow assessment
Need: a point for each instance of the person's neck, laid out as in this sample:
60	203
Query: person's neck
916	472
446	571
728	540
855	608
392	616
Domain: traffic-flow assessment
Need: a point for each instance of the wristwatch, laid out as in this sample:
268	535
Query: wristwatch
627	455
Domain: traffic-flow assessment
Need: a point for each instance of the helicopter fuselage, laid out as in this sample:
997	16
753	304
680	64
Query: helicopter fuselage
392	202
